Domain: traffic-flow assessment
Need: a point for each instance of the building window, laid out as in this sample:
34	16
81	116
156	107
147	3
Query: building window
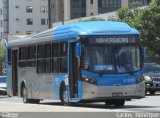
1	35
0	11
1	23
43	22
91	1
29	9
29	32
17	32
30	21
17	19
91	13
42	9
108	5
17	6
46	8
143	2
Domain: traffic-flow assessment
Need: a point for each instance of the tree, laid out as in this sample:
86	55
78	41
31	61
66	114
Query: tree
2	58
92	19
147	21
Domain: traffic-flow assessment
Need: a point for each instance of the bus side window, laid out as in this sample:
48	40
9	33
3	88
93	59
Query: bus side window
40	58
23	54
55	57
48	58
31	56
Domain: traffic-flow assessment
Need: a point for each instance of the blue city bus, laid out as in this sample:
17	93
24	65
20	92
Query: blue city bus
95	61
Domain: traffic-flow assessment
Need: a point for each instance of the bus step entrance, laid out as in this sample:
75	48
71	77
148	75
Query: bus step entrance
74	99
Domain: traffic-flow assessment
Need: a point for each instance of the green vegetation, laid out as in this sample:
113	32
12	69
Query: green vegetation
147	21
92	19
2	59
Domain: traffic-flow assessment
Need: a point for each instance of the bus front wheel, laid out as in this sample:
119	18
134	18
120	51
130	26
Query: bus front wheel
116	102
25	95
63	95
119	102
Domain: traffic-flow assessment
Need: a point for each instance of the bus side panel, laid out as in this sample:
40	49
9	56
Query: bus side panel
80	89
57	81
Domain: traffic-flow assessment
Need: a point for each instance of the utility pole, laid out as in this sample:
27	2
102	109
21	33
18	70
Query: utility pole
62	12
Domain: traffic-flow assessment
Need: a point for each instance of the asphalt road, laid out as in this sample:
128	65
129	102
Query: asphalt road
15	104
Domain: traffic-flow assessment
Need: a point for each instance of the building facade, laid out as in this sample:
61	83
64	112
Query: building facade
27	16
3	19
62	10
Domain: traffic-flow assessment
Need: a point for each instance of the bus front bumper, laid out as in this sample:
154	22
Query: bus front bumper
91	91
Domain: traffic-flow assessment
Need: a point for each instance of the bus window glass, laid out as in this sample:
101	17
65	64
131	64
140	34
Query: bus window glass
48	66
55	65
23	53
9	56
63	49
31	52
40	66
127	58
40	51
55	50
98	59
47	50
63	65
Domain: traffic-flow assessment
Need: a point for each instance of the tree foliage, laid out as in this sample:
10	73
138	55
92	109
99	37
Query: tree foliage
92	19
147	21
2	58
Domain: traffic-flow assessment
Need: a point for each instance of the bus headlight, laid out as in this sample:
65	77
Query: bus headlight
147	78
140	79
89	80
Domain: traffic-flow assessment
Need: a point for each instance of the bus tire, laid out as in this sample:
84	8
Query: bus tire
63	95
119	102
152	92
25	95
35	101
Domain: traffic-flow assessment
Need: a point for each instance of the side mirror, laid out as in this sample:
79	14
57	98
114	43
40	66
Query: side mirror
78	50
144	52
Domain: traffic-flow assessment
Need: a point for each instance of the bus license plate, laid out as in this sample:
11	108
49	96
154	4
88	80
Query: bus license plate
117	94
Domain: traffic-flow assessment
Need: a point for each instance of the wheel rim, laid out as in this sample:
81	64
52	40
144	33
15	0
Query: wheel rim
24	95
64	96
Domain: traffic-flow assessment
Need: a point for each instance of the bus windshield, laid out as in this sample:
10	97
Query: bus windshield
111	59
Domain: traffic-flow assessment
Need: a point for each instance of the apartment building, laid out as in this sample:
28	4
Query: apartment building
27	16
60	10
3	19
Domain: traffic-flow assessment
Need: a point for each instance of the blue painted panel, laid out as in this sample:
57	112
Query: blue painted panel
114	79
80	89
57	79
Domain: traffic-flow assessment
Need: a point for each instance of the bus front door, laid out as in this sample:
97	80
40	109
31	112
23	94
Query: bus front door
14	72
73	71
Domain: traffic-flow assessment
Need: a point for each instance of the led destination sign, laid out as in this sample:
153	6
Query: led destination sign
112	40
